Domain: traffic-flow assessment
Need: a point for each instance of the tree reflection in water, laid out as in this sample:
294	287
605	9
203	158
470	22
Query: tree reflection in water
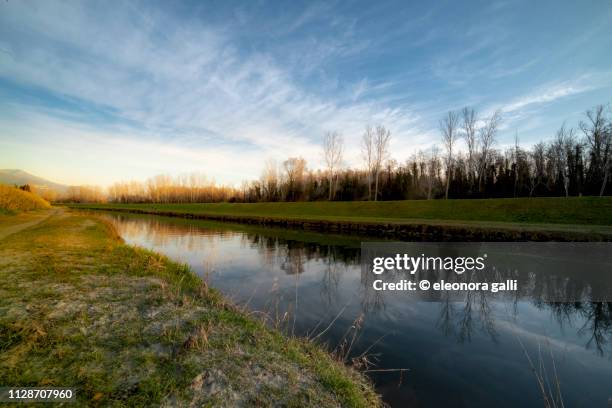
460	318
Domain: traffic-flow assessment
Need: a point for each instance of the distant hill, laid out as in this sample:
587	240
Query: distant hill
20	177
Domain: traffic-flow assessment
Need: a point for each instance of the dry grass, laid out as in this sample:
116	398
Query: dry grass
14	200
128	327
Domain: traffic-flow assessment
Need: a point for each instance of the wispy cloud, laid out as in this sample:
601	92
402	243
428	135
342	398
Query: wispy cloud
546	95
249	84
523	111
189	84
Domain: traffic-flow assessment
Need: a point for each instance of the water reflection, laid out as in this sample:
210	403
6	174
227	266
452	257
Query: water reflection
460	353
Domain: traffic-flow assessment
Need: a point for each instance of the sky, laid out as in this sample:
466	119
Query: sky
98	92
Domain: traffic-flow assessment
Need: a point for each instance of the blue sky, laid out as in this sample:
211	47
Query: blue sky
97	92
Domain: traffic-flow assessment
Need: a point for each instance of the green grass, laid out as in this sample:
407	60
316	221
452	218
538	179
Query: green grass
523	219
128	327
557	210
4	211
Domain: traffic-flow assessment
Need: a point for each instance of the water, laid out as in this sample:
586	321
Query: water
476	353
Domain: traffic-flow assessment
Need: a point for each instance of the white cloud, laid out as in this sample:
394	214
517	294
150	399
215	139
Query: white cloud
546	95
187	84
187	94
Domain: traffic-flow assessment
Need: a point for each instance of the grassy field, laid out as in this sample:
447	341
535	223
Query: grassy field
13	200
128	327
573	210
536	219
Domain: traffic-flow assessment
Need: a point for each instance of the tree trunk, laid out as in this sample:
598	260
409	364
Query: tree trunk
448	179
515	179
376	188
605	181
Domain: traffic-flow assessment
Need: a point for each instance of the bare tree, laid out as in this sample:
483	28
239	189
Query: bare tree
469	129
561	146
433	167
332	150
598	132
269	180
536	173
448	127
382	138
487	135
367	151
419	169
193	184
608	155
515	157
294	171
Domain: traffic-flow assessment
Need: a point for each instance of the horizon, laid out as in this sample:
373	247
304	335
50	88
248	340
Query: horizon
94	96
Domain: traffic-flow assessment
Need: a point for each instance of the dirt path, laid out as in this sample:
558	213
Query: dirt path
10	229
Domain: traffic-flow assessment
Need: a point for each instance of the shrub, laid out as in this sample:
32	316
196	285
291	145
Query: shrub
15	199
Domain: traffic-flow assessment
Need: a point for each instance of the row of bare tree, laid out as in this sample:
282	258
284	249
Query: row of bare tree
563	161
576	161
186	188
479	141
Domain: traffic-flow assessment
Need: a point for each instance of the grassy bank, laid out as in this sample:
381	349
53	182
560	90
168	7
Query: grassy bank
13	223
584	218
128	327
14	200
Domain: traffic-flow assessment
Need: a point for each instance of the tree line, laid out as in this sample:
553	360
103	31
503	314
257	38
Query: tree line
576	161
185	188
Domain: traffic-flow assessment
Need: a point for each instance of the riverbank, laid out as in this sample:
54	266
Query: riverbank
535	219
128	327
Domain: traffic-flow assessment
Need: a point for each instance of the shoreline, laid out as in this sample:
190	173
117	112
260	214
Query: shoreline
407	230
127	326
